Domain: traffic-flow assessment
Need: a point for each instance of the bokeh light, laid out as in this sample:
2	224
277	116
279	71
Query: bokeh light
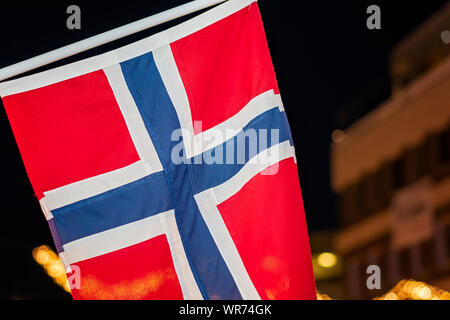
52	265
327	259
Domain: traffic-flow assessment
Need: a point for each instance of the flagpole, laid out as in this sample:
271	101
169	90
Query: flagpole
102	38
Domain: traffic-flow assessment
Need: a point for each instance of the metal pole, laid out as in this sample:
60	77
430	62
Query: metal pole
105	37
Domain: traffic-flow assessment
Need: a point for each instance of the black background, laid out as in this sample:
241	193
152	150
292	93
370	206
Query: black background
331	70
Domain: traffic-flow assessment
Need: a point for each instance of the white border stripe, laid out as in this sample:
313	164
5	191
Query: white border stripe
209	199
93	186
65	262
114	239
124	53
255	107
134	233
187	282
133	119
206	140
148	164
170	75
227	248
263	160
44	207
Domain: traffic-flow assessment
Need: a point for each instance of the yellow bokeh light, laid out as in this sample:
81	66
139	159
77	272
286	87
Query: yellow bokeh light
391	296
55	270
445	296
322	296
52	264
66	286
42	257
327	259
408	290
416	290
424	293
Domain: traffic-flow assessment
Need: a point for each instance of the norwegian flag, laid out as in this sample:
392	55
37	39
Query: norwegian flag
134	156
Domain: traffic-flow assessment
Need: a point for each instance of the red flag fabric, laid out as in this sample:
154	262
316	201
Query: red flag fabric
166	168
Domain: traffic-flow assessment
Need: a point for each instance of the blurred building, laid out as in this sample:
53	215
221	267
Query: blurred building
391	171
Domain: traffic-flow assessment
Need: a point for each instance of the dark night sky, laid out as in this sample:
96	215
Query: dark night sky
331	70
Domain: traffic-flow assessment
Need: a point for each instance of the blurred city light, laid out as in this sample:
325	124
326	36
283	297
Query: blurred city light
326	265
327	259
52	265
391	296
406	290
322	296
415	290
